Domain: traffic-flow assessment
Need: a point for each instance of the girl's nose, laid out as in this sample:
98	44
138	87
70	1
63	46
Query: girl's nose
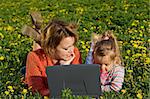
106	38
103	65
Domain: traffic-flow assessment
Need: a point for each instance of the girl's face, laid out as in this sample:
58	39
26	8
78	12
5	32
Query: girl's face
65	50
105	61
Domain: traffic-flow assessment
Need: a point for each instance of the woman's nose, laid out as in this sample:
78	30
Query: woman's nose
70	50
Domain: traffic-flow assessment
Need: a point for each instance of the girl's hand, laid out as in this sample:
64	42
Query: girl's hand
104	69
67	62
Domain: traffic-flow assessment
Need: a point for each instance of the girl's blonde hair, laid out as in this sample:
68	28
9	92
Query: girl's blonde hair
110	40
54	32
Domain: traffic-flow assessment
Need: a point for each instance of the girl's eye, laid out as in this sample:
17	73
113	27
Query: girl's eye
107	64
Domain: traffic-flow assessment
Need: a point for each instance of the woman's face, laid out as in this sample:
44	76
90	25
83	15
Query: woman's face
65	50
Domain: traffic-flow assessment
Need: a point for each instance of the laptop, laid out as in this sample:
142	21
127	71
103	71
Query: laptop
82	79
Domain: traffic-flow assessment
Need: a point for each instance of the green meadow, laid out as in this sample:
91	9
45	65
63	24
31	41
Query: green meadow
128	19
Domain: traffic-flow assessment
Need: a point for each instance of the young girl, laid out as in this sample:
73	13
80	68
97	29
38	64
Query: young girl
112	73
104	36
105	51
58	48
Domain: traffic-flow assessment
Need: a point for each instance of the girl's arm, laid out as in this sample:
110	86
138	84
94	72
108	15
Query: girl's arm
117	80
89	58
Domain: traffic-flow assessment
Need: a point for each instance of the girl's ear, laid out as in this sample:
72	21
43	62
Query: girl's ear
95	37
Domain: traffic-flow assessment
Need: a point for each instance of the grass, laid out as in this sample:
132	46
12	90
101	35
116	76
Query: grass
129	19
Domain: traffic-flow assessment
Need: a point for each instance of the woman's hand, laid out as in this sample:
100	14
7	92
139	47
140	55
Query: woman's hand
67	62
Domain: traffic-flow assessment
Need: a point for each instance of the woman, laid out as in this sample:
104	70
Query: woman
58	48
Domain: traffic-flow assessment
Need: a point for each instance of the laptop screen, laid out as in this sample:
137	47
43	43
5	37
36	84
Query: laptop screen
82	79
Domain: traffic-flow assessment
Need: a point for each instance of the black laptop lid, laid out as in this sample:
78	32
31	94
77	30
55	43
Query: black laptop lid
82	79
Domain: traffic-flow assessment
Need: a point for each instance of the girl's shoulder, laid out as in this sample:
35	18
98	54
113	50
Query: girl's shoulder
118	68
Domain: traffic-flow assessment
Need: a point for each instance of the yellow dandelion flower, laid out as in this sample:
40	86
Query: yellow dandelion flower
135	45
139	95
1	36
92	28
120	42
138	54
10	87
62	10
142	27
30	88
123	91
135	31
144	55
85	30
83	46
7	92
24	91
130	71
22	97
126	57
144	51
80	10
149	40
7	82
131	41
45	97
2	58
141	34
88	46
83	42
147	61
19	36
87	50
11	74
101	97
128	51
12	90
10	28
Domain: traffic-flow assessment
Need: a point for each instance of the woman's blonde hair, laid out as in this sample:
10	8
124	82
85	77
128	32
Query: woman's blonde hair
54	32
108	39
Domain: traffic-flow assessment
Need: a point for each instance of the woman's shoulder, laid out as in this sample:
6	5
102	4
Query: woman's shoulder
36	53
76	51
75	48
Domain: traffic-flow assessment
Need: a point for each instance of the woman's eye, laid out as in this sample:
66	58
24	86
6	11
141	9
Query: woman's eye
65	48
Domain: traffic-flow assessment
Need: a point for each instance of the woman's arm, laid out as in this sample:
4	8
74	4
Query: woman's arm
34	77
77	59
